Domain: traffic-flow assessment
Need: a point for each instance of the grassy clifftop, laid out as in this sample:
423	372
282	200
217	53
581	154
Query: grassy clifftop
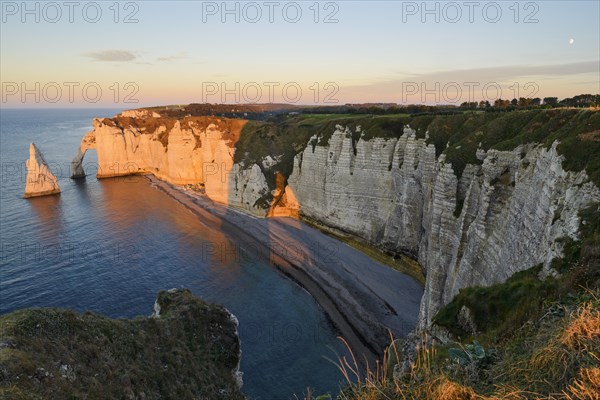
282	135
458	136
188	351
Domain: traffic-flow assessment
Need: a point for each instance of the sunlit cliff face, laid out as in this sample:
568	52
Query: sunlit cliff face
285	203
40	180
187	150
191	150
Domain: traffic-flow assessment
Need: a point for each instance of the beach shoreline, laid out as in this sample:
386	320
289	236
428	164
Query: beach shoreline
360	296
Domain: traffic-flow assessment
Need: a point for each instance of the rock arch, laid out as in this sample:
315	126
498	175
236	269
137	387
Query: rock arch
88	142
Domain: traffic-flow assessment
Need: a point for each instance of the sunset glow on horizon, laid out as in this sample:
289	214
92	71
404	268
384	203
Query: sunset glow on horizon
133	54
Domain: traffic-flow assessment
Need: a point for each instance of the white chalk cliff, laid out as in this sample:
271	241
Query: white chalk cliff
195	150
40	180
501	216
395	193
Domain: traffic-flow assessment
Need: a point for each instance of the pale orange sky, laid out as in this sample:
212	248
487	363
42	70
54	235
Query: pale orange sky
168	53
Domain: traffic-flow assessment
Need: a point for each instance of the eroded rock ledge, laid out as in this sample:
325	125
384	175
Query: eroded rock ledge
187	349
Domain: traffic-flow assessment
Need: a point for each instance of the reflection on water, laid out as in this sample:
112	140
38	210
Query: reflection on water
132	205
120	241
83	192
48	210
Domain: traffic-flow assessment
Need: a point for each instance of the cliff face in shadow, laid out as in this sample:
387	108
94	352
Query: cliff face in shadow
501	216
187	349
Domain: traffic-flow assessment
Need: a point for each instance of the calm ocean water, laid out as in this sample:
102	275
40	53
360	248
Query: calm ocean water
109	246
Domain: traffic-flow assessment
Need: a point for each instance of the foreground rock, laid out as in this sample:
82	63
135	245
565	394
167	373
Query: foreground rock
40	180
187	349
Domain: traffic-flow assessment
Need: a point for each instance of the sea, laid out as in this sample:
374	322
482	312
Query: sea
110	245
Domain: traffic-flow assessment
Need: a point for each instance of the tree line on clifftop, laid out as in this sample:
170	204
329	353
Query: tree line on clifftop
499	105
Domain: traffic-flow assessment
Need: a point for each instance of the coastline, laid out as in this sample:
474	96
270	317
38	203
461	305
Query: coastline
399	262
334	273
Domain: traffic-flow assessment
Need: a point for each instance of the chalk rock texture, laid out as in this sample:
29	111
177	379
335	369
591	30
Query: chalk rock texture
194	150
498	218
40	180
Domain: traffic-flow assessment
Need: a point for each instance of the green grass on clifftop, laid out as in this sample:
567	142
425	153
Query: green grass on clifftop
577	130
189	351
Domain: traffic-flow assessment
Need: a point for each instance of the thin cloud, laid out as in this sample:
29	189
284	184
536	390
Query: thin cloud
505	73
179	56
111	55
530	80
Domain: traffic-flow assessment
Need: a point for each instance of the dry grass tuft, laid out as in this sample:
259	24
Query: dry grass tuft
552	361
583	328
558	359
507	392
586	386
563	351
448	390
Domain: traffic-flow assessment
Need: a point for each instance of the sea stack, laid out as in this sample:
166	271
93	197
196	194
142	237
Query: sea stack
40	180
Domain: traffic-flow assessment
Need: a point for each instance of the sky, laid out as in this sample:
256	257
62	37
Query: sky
140	53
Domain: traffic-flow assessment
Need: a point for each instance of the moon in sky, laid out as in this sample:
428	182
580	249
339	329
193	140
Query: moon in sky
571	41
